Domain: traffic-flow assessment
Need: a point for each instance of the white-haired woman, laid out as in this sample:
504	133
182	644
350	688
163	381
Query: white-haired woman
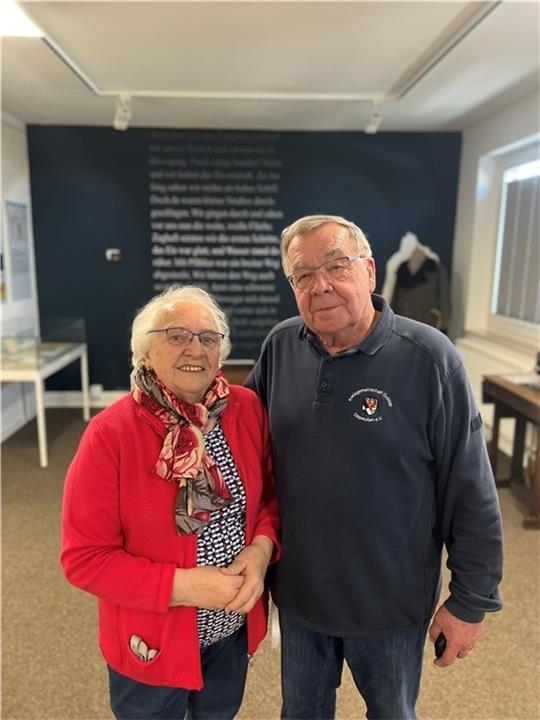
170	519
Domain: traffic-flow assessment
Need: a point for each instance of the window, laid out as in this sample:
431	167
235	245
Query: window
516	288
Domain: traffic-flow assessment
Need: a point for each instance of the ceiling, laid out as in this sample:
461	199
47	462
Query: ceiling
272	65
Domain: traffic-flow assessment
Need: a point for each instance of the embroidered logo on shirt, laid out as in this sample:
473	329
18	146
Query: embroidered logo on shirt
371	404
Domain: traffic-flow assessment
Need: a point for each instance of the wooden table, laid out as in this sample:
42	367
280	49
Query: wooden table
34	362
519	401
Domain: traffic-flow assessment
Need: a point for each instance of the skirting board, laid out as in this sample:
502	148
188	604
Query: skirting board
73	398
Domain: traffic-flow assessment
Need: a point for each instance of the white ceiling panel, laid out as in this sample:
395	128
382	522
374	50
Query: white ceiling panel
272	65
245	47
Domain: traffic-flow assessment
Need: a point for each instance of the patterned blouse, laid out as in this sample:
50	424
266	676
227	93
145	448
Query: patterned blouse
222	539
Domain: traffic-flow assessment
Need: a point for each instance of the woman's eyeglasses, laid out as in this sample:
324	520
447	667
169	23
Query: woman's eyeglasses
180	336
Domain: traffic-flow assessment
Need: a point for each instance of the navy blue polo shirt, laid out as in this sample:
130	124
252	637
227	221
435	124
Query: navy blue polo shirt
379	458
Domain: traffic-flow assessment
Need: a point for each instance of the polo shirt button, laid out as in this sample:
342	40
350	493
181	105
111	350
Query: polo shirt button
324	384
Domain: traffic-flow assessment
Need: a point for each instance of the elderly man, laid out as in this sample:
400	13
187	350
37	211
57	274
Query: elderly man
380	459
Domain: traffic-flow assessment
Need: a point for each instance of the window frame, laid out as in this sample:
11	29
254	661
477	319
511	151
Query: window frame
522	332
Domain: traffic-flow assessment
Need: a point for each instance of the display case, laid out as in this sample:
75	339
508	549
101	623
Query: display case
26	358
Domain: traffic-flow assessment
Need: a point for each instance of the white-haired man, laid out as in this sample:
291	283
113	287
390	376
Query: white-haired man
379	459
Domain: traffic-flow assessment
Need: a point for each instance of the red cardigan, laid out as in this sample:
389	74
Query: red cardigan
119	539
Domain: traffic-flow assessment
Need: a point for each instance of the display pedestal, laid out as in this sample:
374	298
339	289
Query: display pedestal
33	360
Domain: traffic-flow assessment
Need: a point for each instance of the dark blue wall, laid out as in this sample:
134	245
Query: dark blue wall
90	192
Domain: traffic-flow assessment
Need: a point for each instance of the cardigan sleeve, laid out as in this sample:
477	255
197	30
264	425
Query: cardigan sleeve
251	447
267	521
93	555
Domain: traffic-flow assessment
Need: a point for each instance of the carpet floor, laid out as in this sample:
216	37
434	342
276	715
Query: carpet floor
52	668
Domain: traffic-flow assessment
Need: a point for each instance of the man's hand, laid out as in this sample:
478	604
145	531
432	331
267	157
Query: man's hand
204	587
460	636
250	564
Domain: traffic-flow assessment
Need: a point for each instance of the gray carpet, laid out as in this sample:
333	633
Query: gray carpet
52	669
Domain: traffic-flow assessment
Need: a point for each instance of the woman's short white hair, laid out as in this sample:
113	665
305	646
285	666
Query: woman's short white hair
168	300
309	223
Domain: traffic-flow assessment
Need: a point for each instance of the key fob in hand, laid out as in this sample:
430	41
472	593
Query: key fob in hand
440	645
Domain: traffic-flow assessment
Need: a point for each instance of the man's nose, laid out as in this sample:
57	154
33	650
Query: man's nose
321	282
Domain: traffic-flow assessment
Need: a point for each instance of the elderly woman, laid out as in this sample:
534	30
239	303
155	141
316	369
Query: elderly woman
169	518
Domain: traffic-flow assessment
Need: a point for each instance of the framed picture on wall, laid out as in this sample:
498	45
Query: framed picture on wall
18	248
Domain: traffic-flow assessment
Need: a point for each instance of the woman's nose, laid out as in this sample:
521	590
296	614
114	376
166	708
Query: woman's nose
194	345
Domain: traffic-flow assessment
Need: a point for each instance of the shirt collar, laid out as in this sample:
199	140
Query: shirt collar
370	344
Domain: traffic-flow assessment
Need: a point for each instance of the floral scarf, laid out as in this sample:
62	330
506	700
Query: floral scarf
183	457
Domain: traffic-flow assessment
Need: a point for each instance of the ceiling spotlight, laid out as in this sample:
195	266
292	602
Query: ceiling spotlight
122	114
374	120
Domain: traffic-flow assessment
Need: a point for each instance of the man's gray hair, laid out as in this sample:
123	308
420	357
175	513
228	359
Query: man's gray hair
175	295
309	223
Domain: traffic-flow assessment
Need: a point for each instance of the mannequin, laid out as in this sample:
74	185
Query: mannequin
407	246
416	284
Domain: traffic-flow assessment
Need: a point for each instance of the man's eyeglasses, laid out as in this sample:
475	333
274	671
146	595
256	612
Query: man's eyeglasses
335	269
180	336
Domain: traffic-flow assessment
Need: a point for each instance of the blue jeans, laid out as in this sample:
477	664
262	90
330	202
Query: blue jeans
386	669
224	669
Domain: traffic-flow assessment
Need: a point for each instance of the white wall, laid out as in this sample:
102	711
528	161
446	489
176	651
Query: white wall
474	249
515	124
21	314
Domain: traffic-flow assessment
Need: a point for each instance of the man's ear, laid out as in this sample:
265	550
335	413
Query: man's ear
372	272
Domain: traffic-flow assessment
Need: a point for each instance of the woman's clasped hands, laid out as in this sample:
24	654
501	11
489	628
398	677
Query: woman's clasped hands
235	588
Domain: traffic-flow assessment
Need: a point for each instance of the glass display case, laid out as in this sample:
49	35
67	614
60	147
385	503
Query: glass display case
26	358
22	350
